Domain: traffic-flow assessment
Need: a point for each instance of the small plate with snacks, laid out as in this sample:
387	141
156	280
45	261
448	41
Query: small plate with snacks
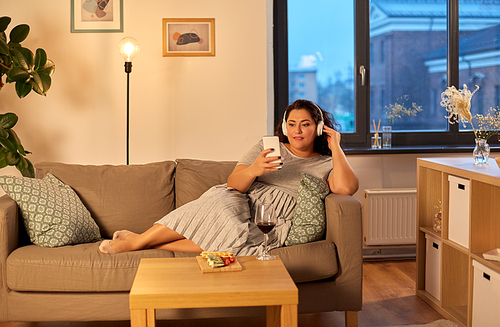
210	262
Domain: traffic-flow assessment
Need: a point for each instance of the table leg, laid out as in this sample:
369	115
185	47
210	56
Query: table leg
282	316
138	318
151	316
143	318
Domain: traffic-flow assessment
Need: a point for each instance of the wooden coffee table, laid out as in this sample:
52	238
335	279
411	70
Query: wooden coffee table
179	283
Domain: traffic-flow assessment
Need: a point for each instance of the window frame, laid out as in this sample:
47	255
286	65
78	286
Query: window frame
452	140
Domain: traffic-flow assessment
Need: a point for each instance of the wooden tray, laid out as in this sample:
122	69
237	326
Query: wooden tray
205	268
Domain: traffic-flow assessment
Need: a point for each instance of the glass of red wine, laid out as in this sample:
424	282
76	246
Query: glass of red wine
265	219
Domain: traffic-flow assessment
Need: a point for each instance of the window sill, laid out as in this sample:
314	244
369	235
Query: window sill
414	149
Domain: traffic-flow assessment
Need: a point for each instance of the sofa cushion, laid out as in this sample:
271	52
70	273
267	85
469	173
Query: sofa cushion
309	262
53	215
74	268
308	223
195	177
129	197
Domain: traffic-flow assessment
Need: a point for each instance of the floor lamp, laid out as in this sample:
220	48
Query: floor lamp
129	48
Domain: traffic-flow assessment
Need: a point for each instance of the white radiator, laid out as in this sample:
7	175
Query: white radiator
389	216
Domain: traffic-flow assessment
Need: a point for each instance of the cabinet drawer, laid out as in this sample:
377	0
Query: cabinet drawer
486	296
458	217
433	266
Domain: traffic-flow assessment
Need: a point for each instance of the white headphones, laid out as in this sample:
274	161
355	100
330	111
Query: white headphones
319	129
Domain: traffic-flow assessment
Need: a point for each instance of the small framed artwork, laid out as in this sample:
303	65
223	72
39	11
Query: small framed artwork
96	16
188	37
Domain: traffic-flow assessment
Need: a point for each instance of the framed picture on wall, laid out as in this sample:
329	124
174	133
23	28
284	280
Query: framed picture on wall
96	16
188	37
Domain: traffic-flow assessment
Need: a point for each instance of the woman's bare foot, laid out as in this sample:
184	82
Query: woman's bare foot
121	234
105	247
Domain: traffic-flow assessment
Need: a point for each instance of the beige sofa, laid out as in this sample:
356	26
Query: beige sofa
78	283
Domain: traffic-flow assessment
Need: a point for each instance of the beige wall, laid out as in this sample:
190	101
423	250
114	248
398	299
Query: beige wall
208	107
187	107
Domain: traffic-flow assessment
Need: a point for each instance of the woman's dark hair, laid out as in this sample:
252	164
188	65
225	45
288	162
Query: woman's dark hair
320	142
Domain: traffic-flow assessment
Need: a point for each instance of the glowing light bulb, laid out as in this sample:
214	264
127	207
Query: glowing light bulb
129	48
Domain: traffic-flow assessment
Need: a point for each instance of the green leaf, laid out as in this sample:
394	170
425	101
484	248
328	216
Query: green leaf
23	89
23	57
18	74
4	22
3	133
22	164
48	69
12	158
6	61
4	47
41	83
19	33
29	171
8	120
20	147
13	139
3	161
36	84
40	58
13	46
8	145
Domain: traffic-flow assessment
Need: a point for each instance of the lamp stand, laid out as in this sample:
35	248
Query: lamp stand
128	70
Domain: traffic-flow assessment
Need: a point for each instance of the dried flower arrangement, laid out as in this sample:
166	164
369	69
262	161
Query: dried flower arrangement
488	125
399	110
457	104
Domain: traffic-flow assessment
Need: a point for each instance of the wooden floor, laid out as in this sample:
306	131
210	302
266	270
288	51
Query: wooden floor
388	299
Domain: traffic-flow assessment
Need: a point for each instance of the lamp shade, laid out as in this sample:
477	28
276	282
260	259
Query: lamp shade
129	48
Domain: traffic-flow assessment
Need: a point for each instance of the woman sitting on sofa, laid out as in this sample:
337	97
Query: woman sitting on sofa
220	220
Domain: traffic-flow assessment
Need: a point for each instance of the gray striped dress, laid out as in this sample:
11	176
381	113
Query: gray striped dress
222	218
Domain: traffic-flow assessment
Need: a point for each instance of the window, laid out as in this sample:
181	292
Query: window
326	67
382	51
417	34
372	54
479	64
382	99
497	95
411	52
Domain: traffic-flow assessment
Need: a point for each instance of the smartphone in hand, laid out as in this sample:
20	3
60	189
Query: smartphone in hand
272	142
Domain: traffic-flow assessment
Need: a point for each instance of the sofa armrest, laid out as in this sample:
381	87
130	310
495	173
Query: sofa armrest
9	240
344	228
9	227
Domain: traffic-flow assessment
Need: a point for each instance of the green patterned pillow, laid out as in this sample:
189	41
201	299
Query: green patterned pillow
52	212
308	224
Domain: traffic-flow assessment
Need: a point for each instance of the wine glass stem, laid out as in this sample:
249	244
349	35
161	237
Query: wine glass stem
265	244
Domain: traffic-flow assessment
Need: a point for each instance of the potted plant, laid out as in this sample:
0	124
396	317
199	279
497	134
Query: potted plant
29	72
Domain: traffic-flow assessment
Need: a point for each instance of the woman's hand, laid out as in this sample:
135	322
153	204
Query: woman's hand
243	176
333	137
263	164
343	179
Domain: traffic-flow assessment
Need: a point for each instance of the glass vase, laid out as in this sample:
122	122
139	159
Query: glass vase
386	136
481	152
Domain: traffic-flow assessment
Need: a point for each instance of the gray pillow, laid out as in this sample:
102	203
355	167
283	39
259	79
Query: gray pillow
53	214
308	222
